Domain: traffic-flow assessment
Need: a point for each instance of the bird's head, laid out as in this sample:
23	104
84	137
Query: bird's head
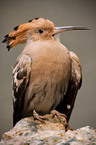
36	29
41	29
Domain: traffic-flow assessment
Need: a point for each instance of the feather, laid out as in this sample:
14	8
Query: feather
21	78
67	104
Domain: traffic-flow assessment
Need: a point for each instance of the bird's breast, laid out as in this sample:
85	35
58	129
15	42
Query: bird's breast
50	74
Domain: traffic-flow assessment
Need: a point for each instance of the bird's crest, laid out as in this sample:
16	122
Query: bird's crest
20	33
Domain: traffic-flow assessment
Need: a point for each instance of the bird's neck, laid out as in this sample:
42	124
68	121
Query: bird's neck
51	39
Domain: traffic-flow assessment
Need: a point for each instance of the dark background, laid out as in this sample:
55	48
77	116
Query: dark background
83	43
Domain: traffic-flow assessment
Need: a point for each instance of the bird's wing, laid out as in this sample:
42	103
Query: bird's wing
67	104
21	76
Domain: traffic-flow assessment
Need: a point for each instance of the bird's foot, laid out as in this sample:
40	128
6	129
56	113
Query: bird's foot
62	118
39	117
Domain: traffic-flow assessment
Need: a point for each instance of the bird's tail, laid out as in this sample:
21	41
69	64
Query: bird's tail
18	35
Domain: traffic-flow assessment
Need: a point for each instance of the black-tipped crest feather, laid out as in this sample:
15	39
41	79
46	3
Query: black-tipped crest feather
8	47
15	28
6	36
4	40
34	19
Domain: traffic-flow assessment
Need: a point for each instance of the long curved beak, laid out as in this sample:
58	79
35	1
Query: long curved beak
69	28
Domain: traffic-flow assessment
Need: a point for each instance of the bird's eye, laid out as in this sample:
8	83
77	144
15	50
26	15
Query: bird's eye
40	31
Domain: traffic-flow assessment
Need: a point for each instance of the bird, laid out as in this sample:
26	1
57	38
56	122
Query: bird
46	76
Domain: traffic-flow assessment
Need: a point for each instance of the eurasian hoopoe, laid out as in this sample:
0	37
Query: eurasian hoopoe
47	75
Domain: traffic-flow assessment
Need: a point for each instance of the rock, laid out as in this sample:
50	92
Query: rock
30	132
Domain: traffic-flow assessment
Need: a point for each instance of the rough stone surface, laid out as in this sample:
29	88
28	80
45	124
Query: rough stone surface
30	132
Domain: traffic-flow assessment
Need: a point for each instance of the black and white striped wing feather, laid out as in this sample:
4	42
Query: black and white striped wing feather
21	77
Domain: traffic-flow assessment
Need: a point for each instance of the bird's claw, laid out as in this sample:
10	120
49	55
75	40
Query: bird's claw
39	117
54	112
62	118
